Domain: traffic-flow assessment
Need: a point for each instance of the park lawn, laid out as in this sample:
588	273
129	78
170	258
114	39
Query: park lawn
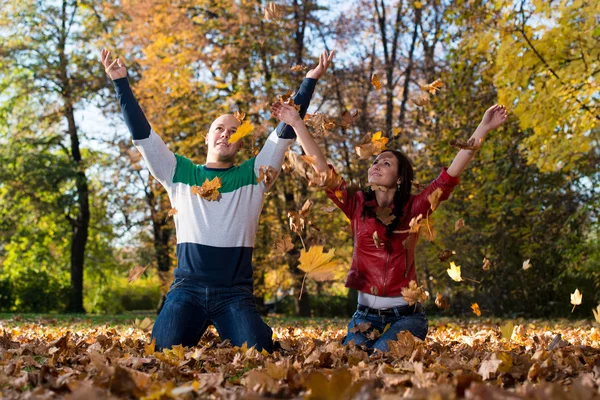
99	356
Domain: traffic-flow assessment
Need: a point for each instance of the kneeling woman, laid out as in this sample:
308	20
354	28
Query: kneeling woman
383	257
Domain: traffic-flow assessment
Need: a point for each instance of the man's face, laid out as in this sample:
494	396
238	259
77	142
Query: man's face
218	135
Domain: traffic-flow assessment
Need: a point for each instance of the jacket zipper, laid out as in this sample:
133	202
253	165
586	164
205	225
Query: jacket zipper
386	273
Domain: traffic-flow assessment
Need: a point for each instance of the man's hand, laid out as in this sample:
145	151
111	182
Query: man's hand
324	62
494	117
286	113
114	68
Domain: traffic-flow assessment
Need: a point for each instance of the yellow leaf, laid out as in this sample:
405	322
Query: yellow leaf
376	82
576	299
396	131
597	313
507	330
526	264
149	348
454	272
242	131
376	239
475	308
209	189
379	140
317	264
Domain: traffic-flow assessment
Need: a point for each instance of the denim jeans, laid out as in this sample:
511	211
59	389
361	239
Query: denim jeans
191	308
414	323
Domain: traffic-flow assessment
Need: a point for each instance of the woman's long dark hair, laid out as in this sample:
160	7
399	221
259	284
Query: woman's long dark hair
401	197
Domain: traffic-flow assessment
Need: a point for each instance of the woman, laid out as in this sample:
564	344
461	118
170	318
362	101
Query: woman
383	258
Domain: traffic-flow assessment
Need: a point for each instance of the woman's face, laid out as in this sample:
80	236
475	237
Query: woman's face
384	171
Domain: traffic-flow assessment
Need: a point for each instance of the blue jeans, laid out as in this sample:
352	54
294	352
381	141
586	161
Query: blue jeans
191	308
414	323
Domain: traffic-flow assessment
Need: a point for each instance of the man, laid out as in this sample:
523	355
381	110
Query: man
215	239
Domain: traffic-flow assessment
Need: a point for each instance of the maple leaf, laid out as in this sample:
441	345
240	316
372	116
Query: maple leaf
366	150
172	211
145	325
283	245
328	209
486	264
489	367
441	302
239	116
433	87
317	264
376	239
328	180
375	187
379	140
446	255
475	308
434	198
288	98
136	272
454	272
576	299
526	264
596	313
242	131
267	174
321	123
384	214
362	327
348	118
396	131
298	68
459	224
403	346
273	11
469	145
300	164
414	294
376	82
209	189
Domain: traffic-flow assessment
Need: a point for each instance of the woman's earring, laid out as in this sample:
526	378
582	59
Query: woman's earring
399	184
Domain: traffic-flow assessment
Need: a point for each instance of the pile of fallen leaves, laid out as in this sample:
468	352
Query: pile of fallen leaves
44	358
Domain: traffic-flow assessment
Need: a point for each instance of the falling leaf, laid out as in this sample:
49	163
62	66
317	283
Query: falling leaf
459	224
318	264
266	174
433	87
239	116
414	294
321	123
454	272
136	272
384	214
375	187
209	189
446	255
596	313
507	330
469	145
379	140
172	211
298	68
348	118
576	299
489	367
526	264
475	308
288	98
145	325
376	82
242	131
283	245
329	180
273	11
361	327
441	302
339	194
434	198
376	239
486	264
396	131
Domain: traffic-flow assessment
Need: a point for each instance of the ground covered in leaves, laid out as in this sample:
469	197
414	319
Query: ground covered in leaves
91	357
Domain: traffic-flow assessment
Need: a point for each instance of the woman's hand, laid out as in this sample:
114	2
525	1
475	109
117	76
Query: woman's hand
115	69
494	117
286	113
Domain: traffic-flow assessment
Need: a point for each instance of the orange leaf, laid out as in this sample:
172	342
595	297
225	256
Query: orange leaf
475	308
376	82
209	189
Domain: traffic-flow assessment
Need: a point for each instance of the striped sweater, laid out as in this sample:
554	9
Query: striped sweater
215	239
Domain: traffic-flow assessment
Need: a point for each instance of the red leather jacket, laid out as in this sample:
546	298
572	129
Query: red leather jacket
375	270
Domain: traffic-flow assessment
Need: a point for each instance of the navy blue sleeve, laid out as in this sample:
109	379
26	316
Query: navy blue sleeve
132	112
302	98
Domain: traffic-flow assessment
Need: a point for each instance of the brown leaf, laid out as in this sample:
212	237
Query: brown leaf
384	214
403	346
376	239
298	68
348	118
266	174
446	255
239	116
433	87
376	82
469	145
414	294
459	224
283	245
273	12
136	272
434	198
441	302
486	264
209	189
321	123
